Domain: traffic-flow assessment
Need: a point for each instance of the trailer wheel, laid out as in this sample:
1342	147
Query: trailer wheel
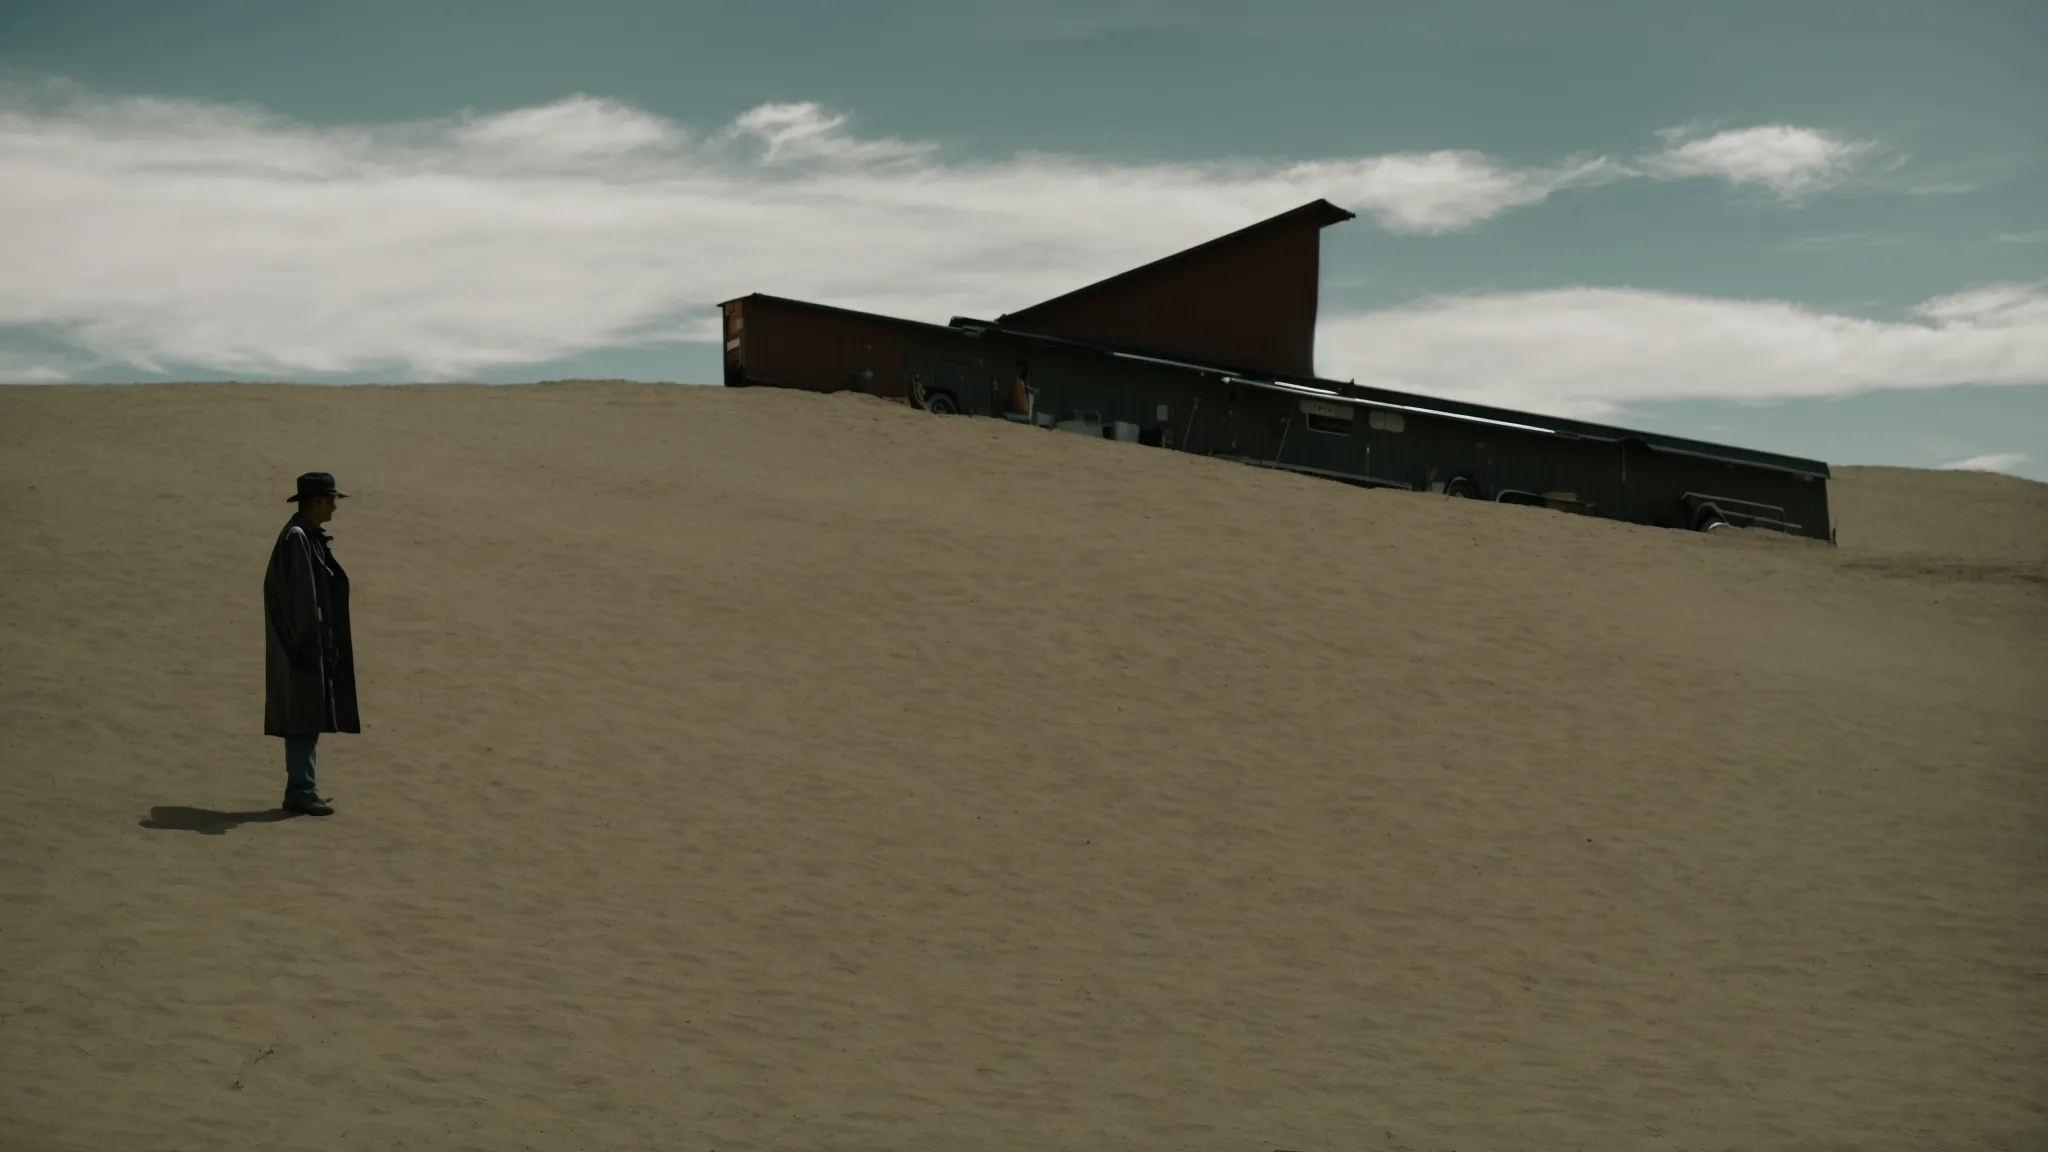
1461	488
1708	518
941	403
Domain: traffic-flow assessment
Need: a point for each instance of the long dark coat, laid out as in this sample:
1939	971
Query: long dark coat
310	666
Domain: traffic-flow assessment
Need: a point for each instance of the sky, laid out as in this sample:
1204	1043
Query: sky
1807	226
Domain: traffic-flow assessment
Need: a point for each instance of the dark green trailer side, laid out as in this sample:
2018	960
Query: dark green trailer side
1362	436
1370	438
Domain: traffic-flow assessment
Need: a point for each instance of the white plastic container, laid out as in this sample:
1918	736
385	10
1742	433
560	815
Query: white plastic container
1085	423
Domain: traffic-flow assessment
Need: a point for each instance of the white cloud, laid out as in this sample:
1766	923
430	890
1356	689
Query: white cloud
1436	192
1786	159
164	232
806	133
1589	351
1989	462
160	231
2038	236
580	129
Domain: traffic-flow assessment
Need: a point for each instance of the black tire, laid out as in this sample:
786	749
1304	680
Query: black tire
1461	488
1708	518
941	403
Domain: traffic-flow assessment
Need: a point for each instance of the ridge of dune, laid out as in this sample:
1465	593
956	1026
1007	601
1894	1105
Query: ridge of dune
756	769
1956	515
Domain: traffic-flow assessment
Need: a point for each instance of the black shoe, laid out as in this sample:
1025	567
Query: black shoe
307	806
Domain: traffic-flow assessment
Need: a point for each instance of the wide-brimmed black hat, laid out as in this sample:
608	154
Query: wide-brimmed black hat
315	484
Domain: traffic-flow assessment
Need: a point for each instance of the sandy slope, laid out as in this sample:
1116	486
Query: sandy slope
1960	517
758	770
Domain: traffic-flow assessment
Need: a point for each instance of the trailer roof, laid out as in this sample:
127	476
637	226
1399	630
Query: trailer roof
1321	213
1249	296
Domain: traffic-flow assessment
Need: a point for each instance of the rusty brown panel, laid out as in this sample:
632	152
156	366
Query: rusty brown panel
1247	299
734	327
789	345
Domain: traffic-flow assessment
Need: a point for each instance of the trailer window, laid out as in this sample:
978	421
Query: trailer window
1383	421
1331	419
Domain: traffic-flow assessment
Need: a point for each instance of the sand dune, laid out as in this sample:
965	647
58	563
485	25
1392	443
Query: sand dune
761	770
1957	518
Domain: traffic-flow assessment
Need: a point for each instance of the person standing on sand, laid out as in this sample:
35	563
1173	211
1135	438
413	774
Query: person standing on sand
310	669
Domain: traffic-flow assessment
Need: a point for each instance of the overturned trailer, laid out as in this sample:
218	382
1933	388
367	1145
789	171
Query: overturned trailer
1208	351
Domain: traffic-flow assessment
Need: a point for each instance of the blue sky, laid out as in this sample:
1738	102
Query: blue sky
1815	227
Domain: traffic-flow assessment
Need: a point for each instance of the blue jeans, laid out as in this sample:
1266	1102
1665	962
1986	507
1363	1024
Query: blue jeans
298	765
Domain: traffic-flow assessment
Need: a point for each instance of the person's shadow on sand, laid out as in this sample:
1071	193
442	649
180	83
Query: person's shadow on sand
206	821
